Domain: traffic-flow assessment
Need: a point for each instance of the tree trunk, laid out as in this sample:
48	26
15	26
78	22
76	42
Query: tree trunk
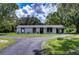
77	29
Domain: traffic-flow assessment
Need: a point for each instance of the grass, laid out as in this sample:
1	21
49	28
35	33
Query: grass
6	44
69	45
28	35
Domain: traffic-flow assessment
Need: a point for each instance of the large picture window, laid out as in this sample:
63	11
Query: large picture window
49	29
23	30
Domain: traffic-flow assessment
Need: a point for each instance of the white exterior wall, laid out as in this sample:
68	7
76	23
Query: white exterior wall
45	30
28	30
18	30
54	30
37	30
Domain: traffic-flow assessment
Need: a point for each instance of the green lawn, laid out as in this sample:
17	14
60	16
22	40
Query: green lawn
7	42
69	45
28	35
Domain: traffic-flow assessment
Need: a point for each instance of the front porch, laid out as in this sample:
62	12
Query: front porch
40	29
48	30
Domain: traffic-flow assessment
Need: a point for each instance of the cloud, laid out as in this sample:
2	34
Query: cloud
39	10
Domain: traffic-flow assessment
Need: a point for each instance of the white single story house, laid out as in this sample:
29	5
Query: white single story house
40	29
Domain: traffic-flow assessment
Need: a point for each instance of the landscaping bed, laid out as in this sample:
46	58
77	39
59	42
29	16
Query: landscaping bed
61	46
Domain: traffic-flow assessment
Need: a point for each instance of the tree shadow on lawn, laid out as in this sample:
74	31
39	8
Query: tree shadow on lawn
39	52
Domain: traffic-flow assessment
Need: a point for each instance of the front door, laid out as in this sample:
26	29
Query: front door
57	30
41	30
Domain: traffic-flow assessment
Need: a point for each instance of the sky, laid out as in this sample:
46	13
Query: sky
39	10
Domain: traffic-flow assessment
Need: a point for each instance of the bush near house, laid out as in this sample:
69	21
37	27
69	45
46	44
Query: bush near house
70	30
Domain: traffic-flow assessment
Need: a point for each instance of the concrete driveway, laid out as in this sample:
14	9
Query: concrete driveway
26	45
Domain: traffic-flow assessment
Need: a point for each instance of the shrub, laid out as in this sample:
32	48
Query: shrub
59	46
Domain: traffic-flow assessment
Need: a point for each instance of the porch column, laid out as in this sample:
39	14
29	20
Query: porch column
37	30
54	30
44	30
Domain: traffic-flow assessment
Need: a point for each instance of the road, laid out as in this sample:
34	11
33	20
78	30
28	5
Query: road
26	45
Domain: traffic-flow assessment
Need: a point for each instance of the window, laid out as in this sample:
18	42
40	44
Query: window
34	30
23	30
49	29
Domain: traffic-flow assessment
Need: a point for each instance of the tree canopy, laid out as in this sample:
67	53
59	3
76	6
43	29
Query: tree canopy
67	14
6	16
29	21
